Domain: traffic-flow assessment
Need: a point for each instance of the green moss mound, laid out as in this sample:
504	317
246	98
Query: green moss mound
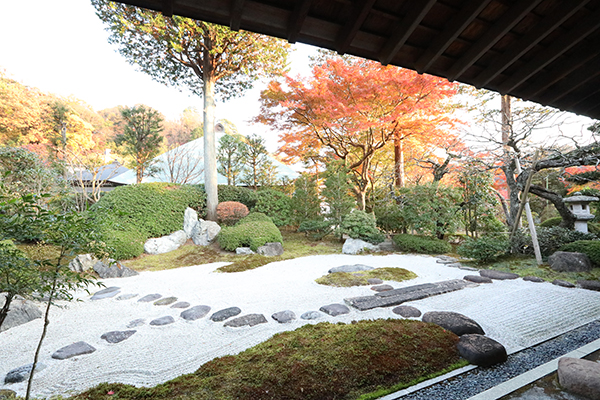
591	248
420	244
253	232
347	279
315	362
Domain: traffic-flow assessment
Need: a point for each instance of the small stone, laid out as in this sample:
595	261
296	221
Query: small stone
136	322
244	251
106	293
150	297
224	314
566	284
477	279
407	311
181	304
382	288
454	322
589	285
374	281
580	377
350	268
21	374
195	313
166	320
464	268
284	317
72	350
481	350
117	336
335	309
272	249
310	315
499	275
446	260
534	279
454	265
166	301
247	320
7	394
127	296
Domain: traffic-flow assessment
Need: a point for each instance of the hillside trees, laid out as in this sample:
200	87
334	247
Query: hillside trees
203	58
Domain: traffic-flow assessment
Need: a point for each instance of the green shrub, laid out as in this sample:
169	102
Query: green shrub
550	239
240	194
550	222
486	248
389	217
419	244
306	204
254	217
360	225
251	234
124	245
276	205
591	248
316	229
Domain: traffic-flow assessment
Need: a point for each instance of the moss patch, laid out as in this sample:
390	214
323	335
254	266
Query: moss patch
346	279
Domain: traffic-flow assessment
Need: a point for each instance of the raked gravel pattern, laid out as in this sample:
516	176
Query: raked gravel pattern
516	313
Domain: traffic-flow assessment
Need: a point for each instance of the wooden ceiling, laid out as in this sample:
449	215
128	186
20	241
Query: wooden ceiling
546	51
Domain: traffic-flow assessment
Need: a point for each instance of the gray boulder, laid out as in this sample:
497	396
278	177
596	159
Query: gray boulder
562	283
589	285
407	311
246	320
477	279
499	275
481	350
106	293
271	249
117	336
580	377
181	304
356	246
535	279
244	251
195	313
565	261
72	350
190	219
165	244
150	297
114	269
224	314
284	317
454	322
22	373
82	262
335	309
165	301
350	268
446	260
205	232
166	320
20	312
374	281
310	315
382	288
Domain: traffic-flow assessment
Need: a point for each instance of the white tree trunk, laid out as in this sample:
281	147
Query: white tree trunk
210	151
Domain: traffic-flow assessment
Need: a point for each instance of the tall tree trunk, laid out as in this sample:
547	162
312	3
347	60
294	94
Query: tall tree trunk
4	311
568	218
210	151
398	162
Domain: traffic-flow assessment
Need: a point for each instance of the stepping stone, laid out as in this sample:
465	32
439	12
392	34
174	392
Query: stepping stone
247	320
117	336
21	374
181	304
454	265
468	268
589	285
166	320
446	260
166	301
481	350
407	311
106	293
453	322
534	279
374	281
72	350
224	314
566	284
477	279
150	297
382	288
499	275
136	322
127	296
284	317
310	315
410	293
335	309
350	268
195	313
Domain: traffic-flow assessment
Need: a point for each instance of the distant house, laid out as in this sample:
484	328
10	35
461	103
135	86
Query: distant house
99	177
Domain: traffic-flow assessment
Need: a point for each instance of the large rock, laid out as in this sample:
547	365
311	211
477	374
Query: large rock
114	269
166	320
565	261
481	350
117	336
407	311
205	232
580	377
20	312
355	246
350	268
335	309
499	275
244	251
284	317
190	219
589	285
72	350
247	320
224	314
106	293
22	373
477	279
195	313
454	322
271	249
165	244
82	262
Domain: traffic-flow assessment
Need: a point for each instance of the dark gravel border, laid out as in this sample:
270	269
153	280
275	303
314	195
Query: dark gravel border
478	380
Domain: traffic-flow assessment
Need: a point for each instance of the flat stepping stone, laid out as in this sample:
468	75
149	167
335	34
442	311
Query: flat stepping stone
166	301
350	268
284	317
310	315
166	320
589	285
382	288
117	336
246	320
454	322
407	311
127	296
446	260
477	279
181	304
374	281
224	314
106	293
534	279
481	350
335	309
72	350
499	275
150	297
410	293
454	265
22	373
566	284
136	322
195	313
464	268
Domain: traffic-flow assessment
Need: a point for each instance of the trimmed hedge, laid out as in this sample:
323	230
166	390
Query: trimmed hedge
484	249
276	205
550	222
240	194
420	244
125	245
360	225
591	248
253	234
254	217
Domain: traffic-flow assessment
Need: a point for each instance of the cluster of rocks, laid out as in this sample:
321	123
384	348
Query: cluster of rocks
271	249
20	312
357	246
109	269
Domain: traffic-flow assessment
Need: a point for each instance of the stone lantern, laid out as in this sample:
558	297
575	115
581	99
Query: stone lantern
580	207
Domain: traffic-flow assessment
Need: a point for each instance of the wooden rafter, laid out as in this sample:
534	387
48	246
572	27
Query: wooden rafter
574	100
592	105
235	14
360	11
167	8
297	18
577	79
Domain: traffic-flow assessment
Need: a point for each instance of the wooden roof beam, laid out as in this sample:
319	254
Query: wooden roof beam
297	18
555	50
529	40
574	81
360	11
457	24
406	27
235	13
167	8
502	26
575	99
590	107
